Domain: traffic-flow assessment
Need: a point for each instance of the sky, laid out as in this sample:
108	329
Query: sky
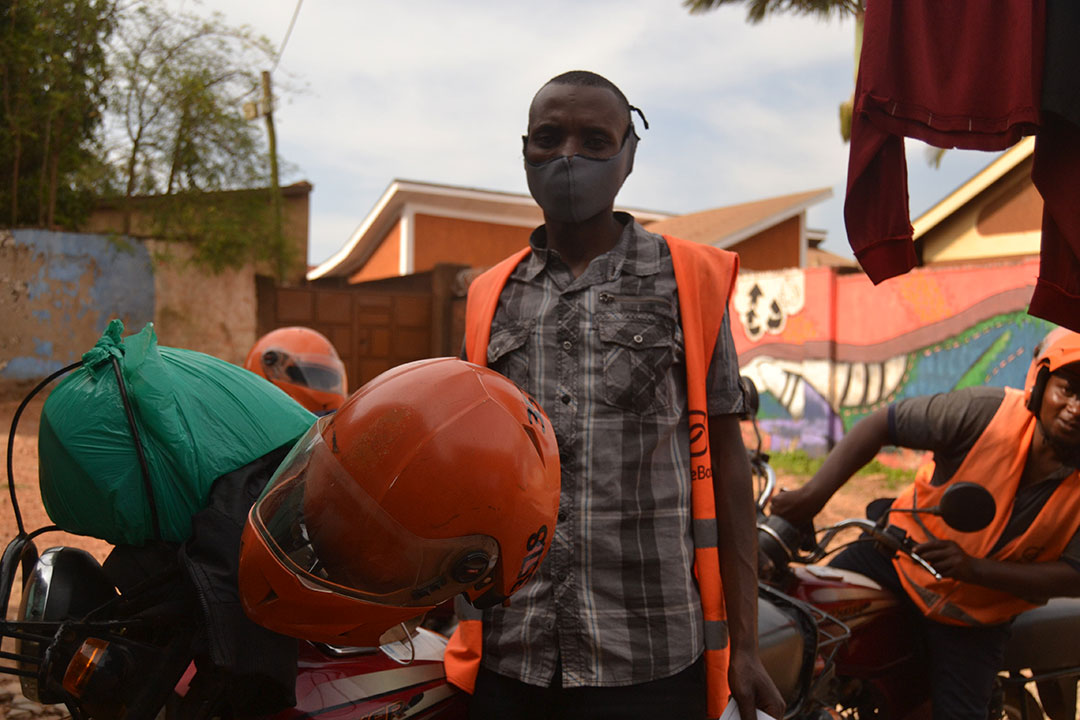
438	91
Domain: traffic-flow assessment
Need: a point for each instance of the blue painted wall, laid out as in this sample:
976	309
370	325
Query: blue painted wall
63	290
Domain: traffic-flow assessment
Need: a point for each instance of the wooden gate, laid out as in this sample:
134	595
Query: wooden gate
378	324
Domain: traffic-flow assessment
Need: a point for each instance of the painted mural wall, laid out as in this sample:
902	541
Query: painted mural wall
826	349
58	291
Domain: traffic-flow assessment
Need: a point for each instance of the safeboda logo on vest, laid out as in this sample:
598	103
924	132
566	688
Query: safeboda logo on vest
699	445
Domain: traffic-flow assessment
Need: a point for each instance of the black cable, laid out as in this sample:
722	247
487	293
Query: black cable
138	449
11	439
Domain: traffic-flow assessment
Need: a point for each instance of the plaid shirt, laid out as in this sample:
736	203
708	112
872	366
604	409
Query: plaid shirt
615	600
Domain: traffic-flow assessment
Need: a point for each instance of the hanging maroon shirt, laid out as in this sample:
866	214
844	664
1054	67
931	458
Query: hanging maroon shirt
1056	170
953	74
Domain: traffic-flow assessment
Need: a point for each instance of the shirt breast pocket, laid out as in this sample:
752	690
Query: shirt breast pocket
507	352
639	349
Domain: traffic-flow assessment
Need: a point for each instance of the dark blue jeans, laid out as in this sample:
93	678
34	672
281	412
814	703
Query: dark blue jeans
962	660
680	696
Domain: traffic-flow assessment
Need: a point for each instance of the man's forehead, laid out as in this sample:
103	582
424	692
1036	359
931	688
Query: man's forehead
566	99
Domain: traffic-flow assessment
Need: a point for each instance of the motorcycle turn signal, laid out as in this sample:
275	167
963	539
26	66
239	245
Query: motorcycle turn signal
96	670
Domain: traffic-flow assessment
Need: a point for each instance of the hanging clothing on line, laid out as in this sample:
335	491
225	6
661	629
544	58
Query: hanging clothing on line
953	75
1056	169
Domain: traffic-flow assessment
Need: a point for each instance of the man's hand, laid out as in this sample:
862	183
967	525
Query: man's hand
751	687
799	507
948	559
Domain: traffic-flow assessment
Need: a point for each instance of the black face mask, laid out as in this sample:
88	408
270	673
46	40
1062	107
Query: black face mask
571	189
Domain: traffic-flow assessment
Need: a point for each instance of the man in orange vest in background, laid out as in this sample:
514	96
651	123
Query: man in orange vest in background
1022	446
623	337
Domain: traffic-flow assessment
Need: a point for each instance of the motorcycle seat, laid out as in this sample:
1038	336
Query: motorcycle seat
1046	637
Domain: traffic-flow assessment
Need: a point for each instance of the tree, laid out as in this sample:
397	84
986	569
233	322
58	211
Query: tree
107	98
757	10
176	129
54	67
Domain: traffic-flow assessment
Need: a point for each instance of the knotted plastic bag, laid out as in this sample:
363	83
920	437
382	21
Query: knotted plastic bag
196	418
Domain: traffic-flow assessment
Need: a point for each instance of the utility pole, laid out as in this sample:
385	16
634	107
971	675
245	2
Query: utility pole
265	108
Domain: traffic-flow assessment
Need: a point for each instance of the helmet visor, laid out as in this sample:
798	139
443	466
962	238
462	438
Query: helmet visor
319	521
318	372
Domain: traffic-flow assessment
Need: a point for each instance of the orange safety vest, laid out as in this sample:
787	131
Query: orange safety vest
705	277
996	462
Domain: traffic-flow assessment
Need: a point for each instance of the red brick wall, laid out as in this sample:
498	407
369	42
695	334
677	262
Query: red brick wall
468	242
776	248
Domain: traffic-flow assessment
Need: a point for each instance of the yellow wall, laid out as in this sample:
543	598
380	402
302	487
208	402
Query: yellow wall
1005	220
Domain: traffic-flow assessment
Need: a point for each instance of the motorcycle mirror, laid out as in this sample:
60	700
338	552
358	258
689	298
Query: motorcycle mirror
750	397
966	507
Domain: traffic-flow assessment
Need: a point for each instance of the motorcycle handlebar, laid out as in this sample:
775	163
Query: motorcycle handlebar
880	535
759	464
762	468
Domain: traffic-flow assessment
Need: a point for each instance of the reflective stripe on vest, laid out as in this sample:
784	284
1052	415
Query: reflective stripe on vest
996	461
705	277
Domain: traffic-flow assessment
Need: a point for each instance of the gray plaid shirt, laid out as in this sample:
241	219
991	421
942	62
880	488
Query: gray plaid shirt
602	353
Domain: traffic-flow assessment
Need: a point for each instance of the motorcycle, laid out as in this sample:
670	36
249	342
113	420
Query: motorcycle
838	645
118	641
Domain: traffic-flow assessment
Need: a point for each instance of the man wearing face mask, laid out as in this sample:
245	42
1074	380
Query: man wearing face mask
623	337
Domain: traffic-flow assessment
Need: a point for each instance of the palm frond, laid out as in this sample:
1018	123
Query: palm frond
758	10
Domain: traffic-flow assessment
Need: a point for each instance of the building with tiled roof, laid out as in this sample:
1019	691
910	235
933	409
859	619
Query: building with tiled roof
416	226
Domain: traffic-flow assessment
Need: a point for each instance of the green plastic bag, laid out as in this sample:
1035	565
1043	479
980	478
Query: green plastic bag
197	417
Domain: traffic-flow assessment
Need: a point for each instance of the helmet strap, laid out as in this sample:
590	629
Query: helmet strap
1038	388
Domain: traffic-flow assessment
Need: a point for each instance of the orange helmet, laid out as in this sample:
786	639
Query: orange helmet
1059	348
303	363
438	477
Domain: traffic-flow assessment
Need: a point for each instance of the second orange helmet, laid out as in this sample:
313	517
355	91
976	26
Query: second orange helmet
304	364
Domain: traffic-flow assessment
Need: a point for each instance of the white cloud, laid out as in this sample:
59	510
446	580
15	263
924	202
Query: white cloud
438	91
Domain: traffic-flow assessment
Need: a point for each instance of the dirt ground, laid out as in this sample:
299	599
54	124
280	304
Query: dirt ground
13	706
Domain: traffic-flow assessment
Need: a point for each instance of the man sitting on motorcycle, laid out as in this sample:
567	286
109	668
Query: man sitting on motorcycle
1024	447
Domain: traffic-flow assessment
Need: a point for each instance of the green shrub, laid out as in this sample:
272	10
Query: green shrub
795	462
895	478
800	463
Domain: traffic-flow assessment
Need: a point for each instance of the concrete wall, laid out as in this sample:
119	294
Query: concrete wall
58	291
826	349
108	217
198	310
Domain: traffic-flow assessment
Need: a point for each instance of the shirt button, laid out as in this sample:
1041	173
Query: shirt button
561	576
566	399
567	345
562	515
638	339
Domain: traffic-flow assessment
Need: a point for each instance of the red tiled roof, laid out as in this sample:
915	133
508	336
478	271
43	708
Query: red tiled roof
727	225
